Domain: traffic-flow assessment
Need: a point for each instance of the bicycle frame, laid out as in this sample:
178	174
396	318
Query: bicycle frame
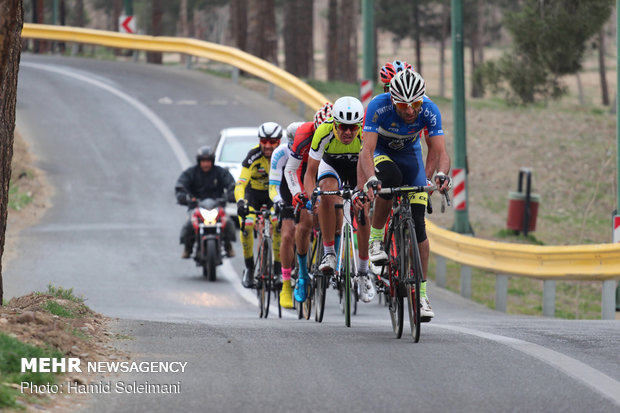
405	269
346	268
264	260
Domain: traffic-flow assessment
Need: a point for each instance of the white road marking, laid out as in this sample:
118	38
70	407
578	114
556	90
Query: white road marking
601	383
229	273
157	122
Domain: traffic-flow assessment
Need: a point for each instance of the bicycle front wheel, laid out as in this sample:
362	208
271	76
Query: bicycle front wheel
394	293
320	283
412	269
260	285
346	268
267	275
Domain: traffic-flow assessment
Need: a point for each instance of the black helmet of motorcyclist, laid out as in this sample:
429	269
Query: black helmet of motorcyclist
205	153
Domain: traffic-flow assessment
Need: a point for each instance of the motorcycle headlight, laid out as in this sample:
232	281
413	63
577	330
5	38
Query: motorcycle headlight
210	216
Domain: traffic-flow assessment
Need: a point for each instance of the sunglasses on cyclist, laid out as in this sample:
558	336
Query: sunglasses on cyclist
273	141
346	127
403	106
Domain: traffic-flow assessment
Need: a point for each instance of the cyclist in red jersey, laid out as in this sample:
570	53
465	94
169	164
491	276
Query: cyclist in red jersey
294	175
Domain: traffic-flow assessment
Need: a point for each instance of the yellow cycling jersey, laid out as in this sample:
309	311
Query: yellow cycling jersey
255	172
326	145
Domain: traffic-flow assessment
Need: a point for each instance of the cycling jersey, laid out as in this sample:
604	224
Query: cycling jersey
278	188
327	147
298	159
394	133
254	174
398	141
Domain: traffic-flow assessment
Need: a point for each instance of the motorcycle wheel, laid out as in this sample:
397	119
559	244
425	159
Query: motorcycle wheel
210	262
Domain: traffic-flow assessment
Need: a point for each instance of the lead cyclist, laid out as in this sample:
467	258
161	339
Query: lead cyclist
393	126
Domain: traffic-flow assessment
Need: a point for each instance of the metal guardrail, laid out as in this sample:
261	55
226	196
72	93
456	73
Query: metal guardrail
579	262
573	262
230	55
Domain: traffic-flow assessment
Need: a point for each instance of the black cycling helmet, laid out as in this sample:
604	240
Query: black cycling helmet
205	152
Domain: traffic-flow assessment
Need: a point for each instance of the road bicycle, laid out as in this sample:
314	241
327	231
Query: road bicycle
304	309
402	275
264	277
345	276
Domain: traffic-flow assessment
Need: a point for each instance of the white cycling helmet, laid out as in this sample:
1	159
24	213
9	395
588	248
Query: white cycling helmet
407	86
270	130
348	110
291	129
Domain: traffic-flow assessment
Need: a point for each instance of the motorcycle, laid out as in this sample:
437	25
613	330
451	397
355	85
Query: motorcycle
209	220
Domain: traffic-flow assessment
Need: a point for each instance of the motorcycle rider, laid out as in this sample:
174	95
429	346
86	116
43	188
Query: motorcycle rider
201	181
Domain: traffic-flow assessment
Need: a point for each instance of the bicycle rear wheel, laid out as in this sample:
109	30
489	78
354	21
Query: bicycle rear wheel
412	269
394	294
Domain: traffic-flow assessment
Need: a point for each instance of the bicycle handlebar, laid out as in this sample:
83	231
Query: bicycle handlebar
407	189
264	211
345	194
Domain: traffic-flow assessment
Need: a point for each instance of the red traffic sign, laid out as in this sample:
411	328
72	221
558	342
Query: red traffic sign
126	24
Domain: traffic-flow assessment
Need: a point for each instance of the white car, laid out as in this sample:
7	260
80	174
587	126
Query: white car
232	147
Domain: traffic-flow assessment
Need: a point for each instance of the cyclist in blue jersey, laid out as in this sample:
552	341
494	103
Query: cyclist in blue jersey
392	156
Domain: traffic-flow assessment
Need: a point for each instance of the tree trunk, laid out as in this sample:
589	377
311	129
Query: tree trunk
580	90
476	45
601	67
474	85
417	37
183	27
239	24
156	30
298	47
342	41
480	27
41	46
351	68
445	33
331	53
117	8
11	21
62	16
79	21
262	37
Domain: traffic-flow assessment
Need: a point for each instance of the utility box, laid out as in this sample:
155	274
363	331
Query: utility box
523	205
516	211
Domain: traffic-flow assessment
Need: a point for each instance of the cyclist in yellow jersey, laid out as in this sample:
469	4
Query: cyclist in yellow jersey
252	191
332	163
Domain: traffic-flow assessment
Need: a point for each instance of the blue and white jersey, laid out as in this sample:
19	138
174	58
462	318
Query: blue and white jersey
394	133
279	157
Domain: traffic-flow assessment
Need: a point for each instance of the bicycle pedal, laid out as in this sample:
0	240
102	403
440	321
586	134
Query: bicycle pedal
425	319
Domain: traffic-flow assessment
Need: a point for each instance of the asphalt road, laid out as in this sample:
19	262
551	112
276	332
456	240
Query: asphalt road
113	137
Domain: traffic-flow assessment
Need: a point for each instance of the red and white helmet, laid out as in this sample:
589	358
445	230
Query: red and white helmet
323	114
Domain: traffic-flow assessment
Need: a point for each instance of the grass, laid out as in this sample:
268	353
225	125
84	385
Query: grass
18	199
514	236
65	294
60	310
11	353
